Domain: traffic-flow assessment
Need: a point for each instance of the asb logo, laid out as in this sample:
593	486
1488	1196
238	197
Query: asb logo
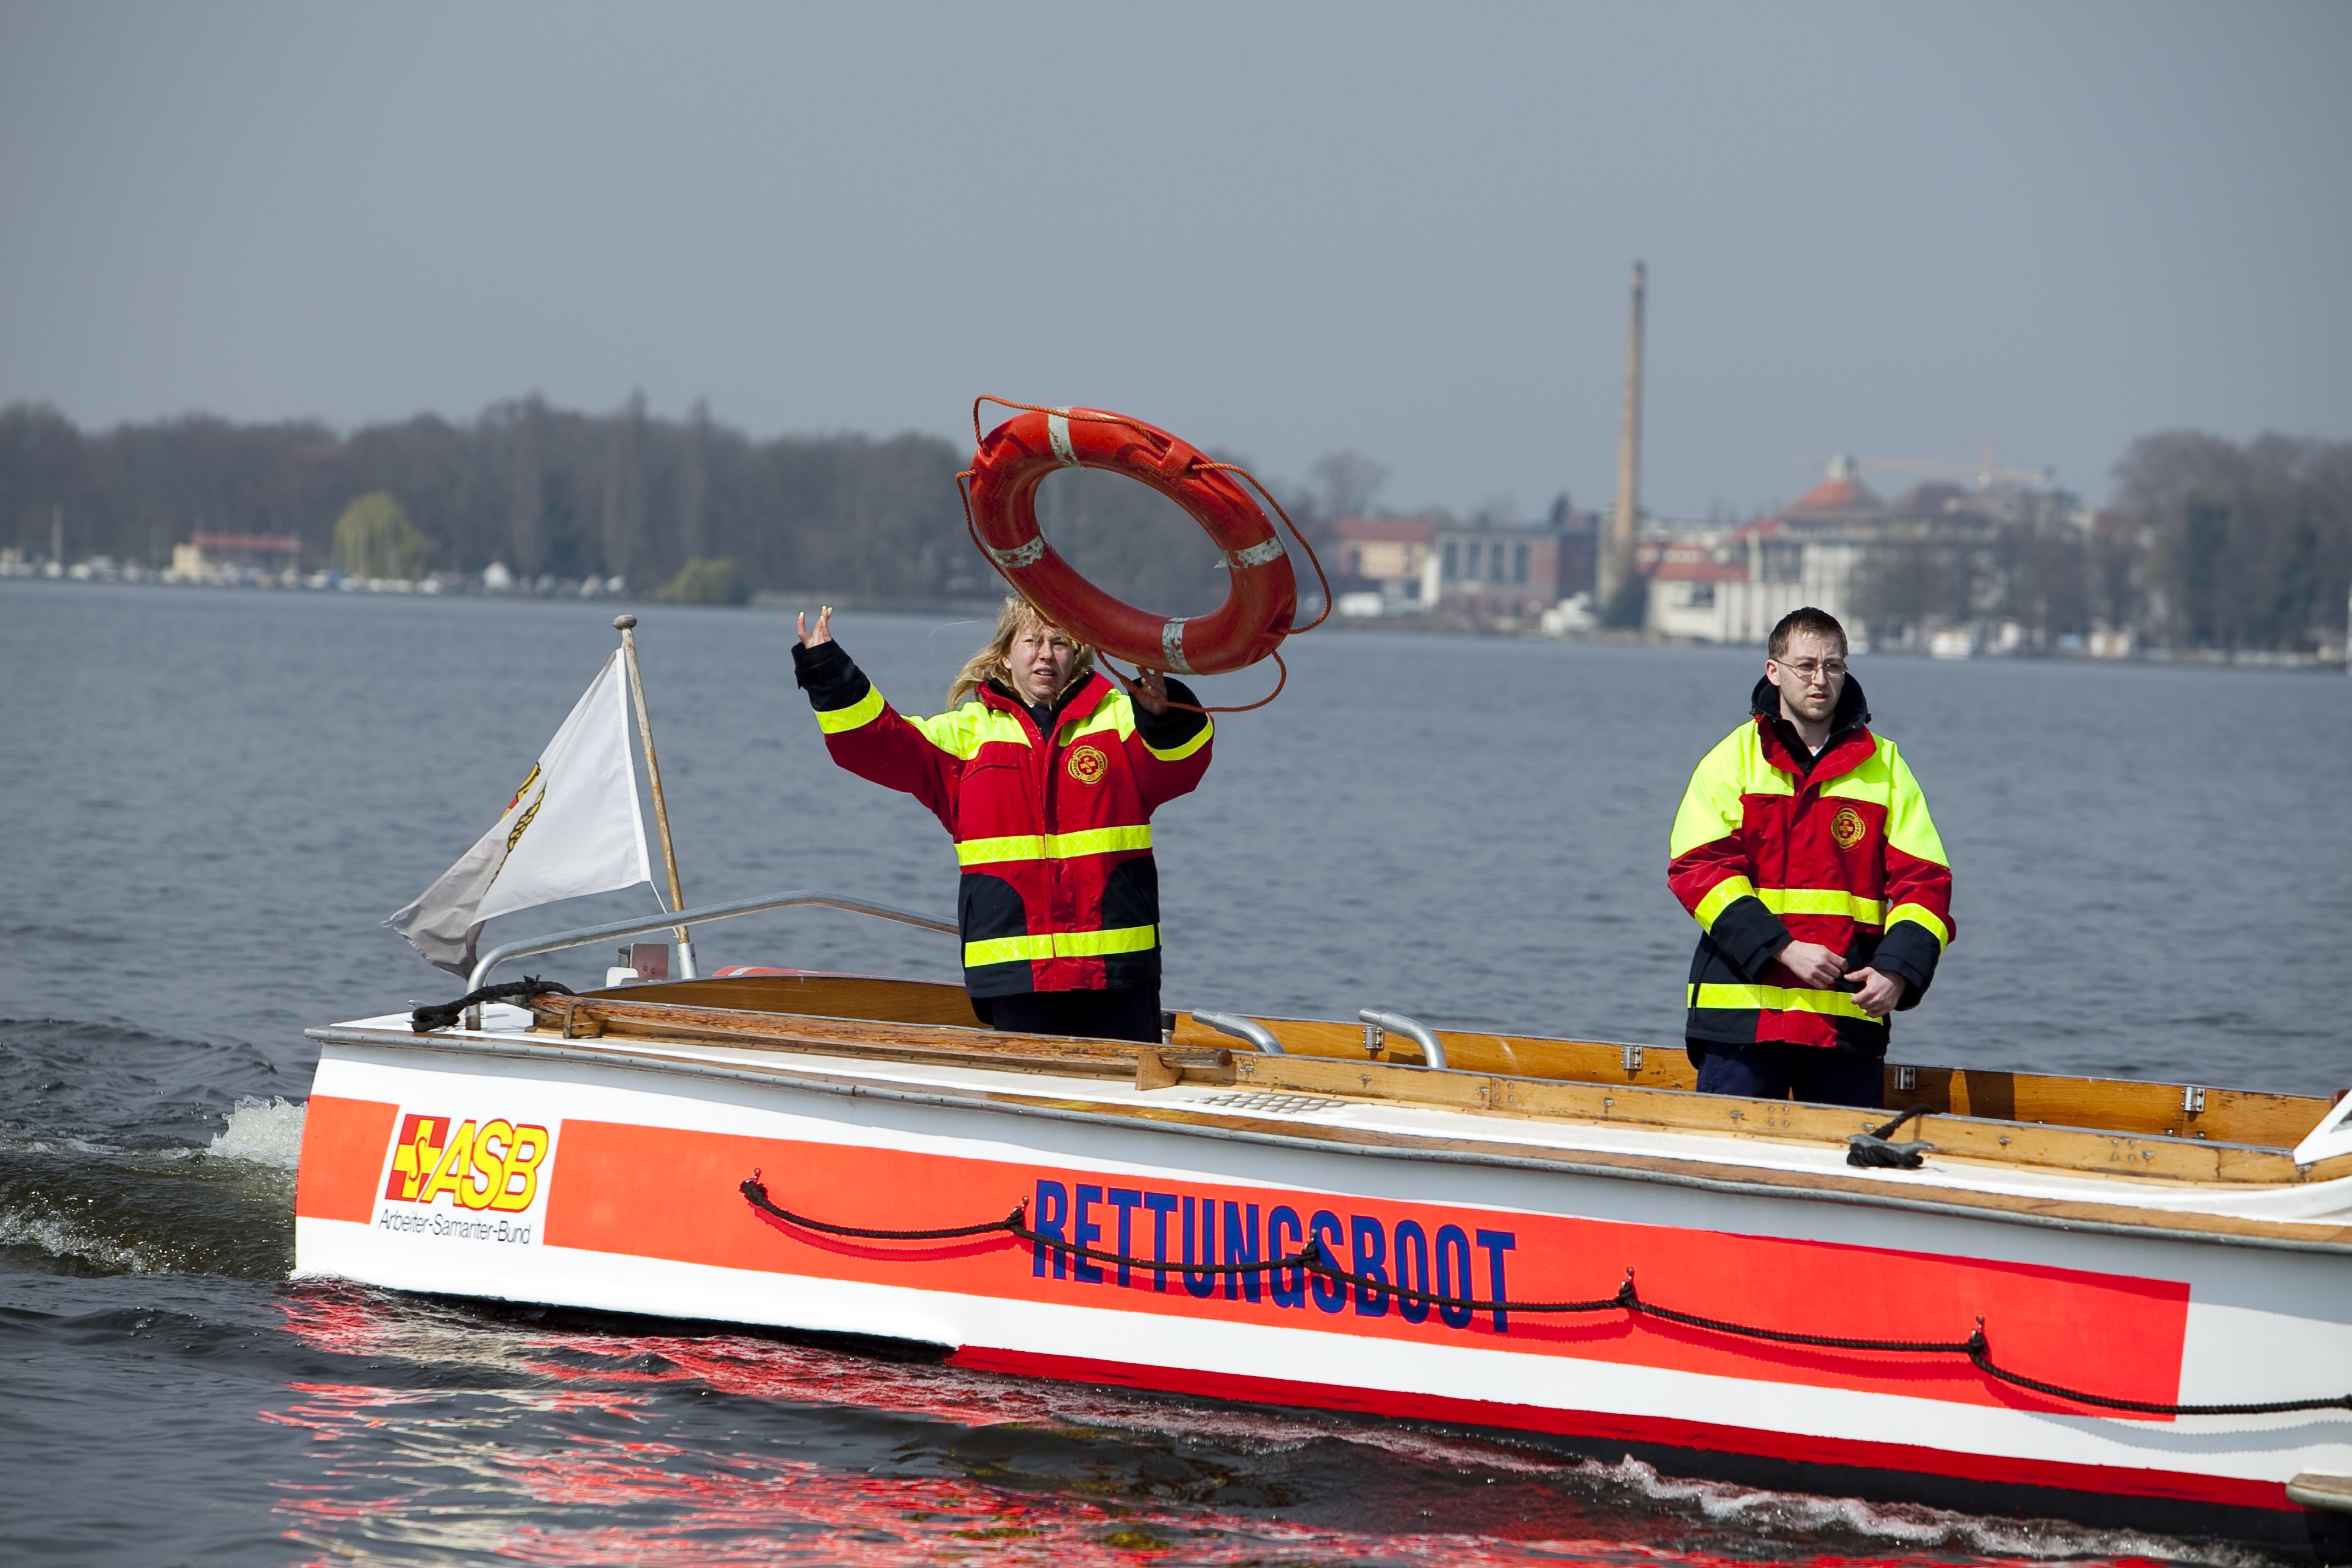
1087	765
1847	827
490	1165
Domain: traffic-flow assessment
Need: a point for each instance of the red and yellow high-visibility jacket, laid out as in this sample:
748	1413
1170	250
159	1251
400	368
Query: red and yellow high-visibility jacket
1059	890
1766	850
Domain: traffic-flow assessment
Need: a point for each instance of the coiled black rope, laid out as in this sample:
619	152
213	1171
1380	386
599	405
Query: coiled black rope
1310	1258
1874	1147
424	1020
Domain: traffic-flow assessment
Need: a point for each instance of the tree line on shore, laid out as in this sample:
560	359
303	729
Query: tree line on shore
689	504
2246	545
2208	543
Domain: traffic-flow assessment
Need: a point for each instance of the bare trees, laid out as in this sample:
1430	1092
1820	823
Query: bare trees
2248	546
1346	484
2209	544
548	492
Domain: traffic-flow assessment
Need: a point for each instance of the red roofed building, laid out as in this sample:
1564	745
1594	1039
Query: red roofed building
1841	494
1733	586
1690	586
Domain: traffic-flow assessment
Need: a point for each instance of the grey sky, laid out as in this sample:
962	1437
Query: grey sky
1276	229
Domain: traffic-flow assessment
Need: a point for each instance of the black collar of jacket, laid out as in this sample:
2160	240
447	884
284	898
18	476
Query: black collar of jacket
1852	713
1046	715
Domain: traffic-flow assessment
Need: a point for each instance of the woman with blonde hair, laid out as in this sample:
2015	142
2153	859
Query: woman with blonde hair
1046	772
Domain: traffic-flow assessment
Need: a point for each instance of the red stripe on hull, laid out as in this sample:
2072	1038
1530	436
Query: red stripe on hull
1894	1458
667	1193
343	1144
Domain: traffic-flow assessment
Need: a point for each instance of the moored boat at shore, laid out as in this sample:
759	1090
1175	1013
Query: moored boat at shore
2109	1301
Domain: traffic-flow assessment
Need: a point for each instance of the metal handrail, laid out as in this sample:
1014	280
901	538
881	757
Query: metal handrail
1240	1028
587	934
1432	1054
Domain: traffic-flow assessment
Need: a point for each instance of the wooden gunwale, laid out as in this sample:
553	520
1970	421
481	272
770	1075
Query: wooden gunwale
1978	1138
2111	1105
1919	1194
595	1017
2114	1105
1992	1141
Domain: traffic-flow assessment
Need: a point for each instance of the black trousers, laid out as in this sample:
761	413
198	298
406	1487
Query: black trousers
1131	1013
1773	1070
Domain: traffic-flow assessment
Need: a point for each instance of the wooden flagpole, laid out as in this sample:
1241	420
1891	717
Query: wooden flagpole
626	626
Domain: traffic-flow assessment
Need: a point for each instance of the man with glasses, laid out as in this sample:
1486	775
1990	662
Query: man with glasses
1804	850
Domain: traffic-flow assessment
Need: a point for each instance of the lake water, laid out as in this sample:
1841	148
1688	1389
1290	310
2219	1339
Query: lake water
213	799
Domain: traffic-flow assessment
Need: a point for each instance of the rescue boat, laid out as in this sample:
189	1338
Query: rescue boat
2108	1301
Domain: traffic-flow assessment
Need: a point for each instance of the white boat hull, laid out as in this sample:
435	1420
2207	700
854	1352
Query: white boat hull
632	1204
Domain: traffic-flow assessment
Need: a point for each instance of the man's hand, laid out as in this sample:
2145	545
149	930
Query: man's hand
1812	963
1149	690
823	633
1879	993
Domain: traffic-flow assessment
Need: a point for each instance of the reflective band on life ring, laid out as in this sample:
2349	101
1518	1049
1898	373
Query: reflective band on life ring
1261	595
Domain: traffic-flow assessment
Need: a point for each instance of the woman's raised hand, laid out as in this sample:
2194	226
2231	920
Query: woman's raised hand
1149	689
823	633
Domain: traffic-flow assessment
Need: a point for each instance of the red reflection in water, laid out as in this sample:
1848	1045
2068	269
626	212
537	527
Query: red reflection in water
708	1508
499	1470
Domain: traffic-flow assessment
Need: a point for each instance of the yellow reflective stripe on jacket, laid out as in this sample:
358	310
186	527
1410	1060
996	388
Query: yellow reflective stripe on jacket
1711	807
1061	945
1006	949
1792	901
1114	714
1908	826
962	731
865	711
1719	898
1053	845
1098	841
1822	902
1185	748
1096	943
992	851
1920	914
1780	999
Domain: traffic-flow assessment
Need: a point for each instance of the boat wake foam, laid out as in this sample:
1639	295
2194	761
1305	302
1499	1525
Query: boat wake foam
40	1226
76	1205
1771	1513
262	1133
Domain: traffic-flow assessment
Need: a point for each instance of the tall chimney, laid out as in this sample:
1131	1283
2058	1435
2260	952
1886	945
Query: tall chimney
1617	560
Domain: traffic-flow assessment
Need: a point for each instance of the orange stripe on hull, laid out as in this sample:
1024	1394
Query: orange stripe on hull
668	1194
343	1144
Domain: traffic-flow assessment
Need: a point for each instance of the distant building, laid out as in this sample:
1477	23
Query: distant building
1733	584
1496	575
1382	565
207	556
1734	587
1692	592
1499	576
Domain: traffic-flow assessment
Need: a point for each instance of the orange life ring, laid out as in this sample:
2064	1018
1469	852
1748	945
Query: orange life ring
1261	600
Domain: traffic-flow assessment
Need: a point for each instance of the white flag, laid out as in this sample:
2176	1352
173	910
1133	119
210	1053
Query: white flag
574	827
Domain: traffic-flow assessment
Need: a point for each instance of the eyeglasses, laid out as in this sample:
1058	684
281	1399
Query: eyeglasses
1806	668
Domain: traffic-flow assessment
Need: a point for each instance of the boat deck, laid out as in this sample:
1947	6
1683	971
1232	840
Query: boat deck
1561	1110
